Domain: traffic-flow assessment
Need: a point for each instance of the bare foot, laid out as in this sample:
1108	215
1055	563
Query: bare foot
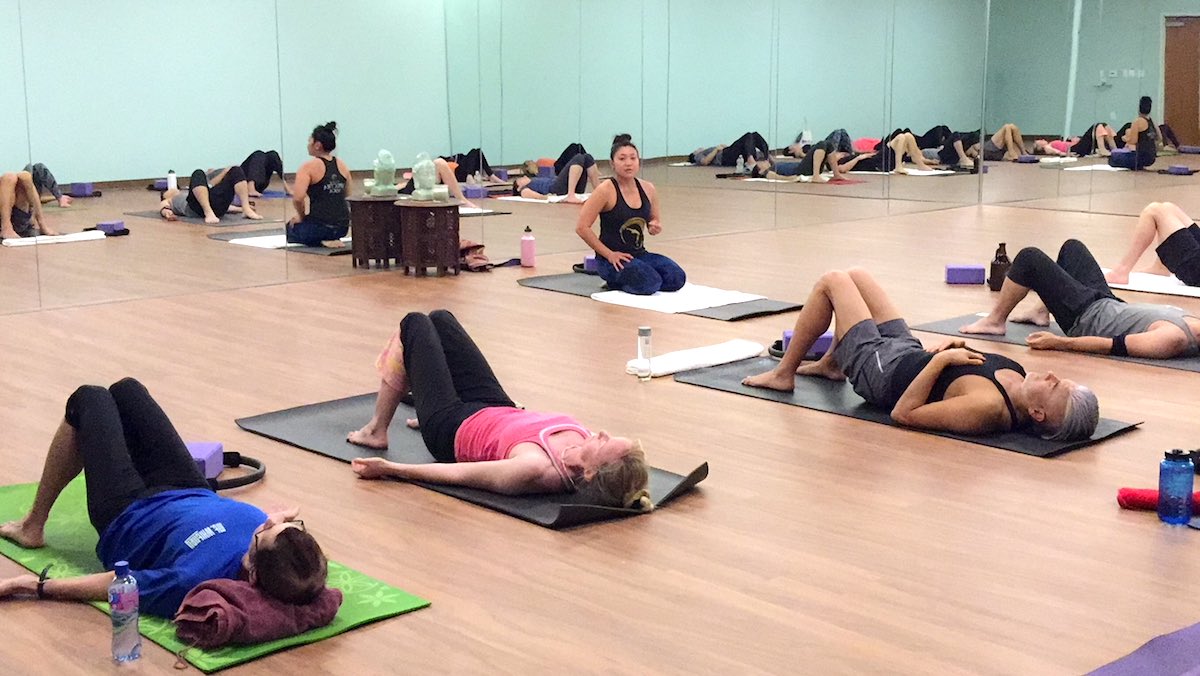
333	244
212	220
986	326
1116	277
64	201
369	468
24	534
46	230
1038	316
772	380
819	179
251	214
369	437
254	193
572	198
9	234
469	204
821	369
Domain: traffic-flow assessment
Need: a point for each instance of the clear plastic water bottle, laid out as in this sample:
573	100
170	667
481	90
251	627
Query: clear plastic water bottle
1175	477
172	181
643	353
123	602
741	165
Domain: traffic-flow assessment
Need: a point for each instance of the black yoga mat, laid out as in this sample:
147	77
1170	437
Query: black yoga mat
229	219
582	284
322	428
1017	333
315	250
838	397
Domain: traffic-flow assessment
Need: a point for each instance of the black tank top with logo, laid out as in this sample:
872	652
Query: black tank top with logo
327	197
623	228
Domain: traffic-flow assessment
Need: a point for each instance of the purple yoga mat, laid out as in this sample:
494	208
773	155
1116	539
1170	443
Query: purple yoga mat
1174	653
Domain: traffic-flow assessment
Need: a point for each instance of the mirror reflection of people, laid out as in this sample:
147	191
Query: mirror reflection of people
45	183
628	210
572	181
319	198
948	388
209	196
1141	136
20	207
1178	249
258	168
477	435
152	507
1073	291
748	147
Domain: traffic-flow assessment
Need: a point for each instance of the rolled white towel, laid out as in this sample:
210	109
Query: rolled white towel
699	357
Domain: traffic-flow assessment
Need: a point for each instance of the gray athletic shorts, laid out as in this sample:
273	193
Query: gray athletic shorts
991	151
931	154
22	222
869	354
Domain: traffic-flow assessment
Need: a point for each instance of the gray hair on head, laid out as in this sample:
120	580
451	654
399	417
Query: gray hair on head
1081	417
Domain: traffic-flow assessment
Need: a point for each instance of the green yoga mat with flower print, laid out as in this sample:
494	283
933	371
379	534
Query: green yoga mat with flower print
71	547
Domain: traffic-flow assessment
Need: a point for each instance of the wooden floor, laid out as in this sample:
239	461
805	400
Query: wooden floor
819	544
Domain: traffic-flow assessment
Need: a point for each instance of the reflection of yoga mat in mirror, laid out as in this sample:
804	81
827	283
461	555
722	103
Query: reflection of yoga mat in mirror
71	547
1017	333
550	199
42	240
1095	167
909	172
1151	283
1055	162
681	164
838	397
322	428
229	219
277	239
591	285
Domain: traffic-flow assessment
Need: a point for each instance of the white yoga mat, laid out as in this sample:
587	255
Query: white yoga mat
1057	160
690	297
464	210
699	357
55	239
1150	283
271	241
926	172
1095	167
802	179
682	164
552	199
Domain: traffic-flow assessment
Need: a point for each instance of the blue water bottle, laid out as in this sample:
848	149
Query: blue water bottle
1175	475
123	602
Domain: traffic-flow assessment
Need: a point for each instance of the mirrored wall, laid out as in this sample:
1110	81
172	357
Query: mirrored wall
184	90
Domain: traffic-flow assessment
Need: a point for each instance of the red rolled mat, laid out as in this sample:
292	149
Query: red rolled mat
1147	498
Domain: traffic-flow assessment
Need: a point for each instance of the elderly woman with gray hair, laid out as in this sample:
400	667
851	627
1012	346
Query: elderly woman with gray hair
949	388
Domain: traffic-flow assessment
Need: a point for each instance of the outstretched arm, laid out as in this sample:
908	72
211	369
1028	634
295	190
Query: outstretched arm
511	476
1162	342
85	588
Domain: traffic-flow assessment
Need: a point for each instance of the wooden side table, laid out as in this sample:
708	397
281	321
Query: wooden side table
374	230
429	236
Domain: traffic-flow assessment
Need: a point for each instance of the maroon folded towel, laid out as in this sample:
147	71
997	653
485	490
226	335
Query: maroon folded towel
222	612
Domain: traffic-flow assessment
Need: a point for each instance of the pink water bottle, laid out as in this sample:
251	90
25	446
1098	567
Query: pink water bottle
528	247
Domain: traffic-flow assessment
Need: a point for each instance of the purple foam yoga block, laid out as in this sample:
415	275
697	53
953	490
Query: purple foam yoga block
965	274
546	172
209	457
501	174
160	184
82	189
1027	159
824	341
1179	169
1190	150
110	227
589	263
474	191
787	339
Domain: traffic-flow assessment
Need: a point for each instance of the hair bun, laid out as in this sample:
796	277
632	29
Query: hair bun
331	126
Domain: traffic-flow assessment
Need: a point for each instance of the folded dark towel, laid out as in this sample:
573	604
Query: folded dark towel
221	612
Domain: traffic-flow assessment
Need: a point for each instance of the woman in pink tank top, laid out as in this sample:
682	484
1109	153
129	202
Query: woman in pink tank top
478	436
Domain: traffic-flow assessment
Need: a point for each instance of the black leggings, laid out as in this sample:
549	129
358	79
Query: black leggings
744	146
563	177
1168	134
1086	145
1067	286
220	196
259	166
449	377
130	450
565	156
468	163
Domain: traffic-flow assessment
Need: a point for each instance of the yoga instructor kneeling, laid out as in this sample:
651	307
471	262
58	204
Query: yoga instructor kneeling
950	388
476	433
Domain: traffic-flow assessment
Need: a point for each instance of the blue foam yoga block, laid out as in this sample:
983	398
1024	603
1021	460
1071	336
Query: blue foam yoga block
965	274
209	457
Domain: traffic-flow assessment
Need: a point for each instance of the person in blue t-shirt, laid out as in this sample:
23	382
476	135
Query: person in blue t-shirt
152	507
